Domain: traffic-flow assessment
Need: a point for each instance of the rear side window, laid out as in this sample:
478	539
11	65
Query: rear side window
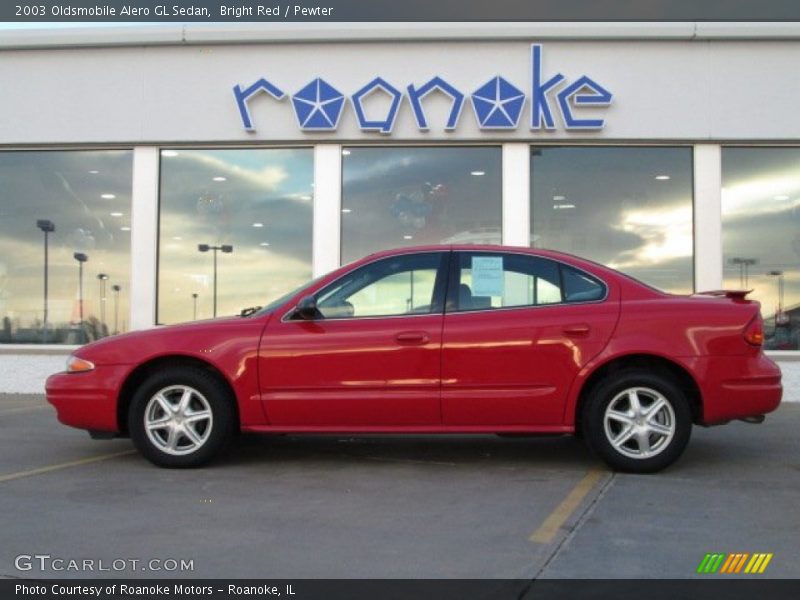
580	287
492	280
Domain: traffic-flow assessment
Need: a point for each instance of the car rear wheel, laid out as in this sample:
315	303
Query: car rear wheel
637	421
181	417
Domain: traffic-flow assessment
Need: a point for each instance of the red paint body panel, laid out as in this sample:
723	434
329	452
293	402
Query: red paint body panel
515	366
352	372
87	400
228	345
507	370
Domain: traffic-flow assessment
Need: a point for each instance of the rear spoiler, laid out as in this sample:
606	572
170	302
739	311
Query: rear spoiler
732	294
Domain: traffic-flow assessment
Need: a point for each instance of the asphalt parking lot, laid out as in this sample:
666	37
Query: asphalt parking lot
394	507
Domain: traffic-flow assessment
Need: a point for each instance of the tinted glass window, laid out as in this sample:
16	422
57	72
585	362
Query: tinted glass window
627	208
401	285
487	280
406	196
580	287
255	206
761	235
65	226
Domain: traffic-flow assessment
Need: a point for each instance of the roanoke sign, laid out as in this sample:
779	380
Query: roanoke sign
497	104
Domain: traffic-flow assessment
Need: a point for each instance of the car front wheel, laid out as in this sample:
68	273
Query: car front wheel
637	421
181	417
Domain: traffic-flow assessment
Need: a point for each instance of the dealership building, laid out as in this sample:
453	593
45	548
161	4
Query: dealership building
158	174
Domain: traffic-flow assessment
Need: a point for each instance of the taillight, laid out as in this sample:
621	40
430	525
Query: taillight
754	332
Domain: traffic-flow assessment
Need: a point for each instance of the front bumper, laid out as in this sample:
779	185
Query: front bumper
734	387
87	400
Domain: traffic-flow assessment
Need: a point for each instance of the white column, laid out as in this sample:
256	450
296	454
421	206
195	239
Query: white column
326	249
707	217
144	237
516	194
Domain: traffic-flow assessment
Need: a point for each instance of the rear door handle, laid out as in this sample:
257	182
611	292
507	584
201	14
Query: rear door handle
577	329
412	337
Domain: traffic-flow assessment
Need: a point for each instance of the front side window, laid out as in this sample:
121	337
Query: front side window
491	280
401	285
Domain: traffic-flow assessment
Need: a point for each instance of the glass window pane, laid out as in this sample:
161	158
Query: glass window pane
394	286
72	203
255	206
627	208
503	281
579	287
395	197
761	235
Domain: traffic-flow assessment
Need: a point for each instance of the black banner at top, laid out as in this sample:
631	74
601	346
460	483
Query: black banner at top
177	11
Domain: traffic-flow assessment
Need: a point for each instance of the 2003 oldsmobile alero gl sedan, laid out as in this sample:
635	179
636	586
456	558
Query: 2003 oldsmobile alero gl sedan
438	339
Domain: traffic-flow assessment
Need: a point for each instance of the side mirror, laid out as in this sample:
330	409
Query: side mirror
306	309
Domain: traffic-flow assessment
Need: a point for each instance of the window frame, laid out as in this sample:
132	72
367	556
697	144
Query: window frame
453	279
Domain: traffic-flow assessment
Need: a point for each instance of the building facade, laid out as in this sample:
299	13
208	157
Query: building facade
159	174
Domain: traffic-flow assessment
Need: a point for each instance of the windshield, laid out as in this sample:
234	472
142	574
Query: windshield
279	301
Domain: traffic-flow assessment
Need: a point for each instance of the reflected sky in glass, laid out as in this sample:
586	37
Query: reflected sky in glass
259	201
761	224
87	197
628	208
408	196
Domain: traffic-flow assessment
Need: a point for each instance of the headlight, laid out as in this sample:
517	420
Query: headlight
78	365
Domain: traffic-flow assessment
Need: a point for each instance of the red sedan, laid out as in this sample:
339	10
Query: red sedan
439	339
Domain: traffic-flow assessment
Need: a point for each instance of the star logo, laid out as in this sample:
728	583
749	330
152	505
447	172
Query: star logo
318	106
498	104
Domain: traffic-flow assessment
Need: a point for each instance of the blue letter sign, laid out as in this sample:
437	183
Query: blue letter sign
497	104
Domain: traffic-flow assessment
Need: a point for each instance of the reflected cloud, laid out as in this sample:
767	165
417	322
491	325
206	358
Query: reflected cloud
666	234
263	208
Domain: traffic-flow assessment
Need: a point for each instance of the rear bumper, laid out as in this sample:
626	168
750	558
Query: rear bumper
87	400
734	387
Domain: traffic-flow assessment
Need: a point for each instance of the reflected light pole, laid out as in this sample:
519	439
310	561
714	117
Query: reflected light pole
194	306
779	318
47	227
102	277
116	288
744	265
226	249
81	258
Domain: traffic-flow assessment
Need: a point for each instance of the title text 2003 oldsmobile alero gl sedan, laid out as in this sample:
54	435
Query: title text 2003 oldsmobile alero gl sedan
441	339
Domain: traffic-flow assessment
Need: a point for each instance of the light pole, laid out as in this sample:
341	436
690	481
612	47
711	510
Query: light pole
226	249
779	318
47	227
102	278
744	265
116	288
81	258
194	306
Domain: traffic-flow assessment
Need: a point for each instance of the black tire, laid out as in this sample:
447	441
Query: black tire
188	438
649	448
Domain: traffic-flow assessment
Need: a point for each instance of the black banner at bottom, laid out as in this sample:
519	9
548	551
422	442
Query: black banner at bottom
389	589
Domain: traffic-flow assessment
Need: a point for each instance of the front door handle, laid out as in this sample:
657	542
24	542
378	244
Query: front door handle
412	337
577	330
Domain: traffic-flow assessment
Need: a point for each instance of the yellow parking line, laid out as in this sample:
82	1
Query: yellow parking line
66	465
548	530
